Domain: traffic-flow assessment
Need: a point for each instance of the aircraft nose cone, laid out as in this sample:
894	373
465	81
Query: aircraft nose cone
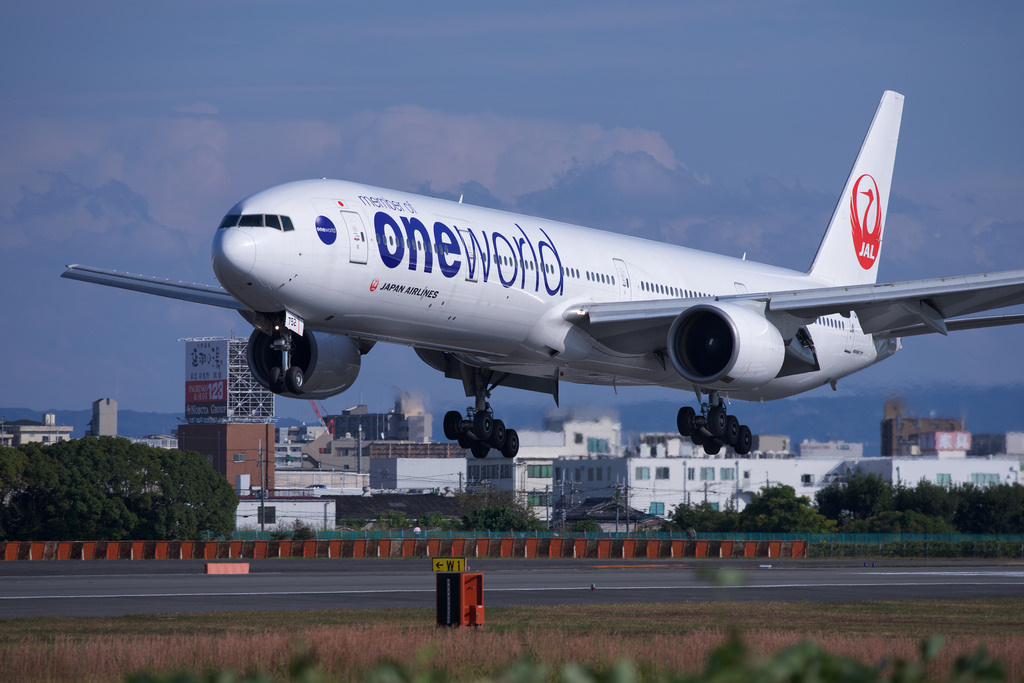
234	253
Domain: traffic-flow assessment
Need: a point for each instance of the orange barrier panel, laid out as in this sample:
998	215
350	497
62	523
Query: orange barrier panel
653	549
36	550
309	548
481	547
749	548
334	548
604	548
235	549
284	549
530	547
11	550
160	550
138	549
800	549
210	550
227	567
555	548
408	547
678	548
700	549
63	550
113	548
726	549
384	547
505	547
433	547
458	547
187	548
774	548
628	548
359	547
579	547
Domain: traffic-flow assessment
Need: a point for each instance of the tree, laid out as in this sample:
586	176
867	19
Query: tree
779	509
502	518
863	496
703	518
12	480
110	489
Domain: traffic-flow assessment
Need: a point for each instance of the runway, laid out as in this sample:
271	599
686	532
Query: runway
114	588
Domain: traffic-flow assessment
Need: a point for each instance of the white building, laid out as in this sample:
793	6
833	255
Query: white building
280	514
417	474
531	473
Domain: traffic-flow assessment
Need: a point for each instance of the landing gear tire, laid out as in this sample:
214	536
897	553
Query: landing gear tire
483	425
685	421
465	441
480	449
498	435
452	423
276	379
293	379
732	430
511	447
712	446
717	421
744	441
698	437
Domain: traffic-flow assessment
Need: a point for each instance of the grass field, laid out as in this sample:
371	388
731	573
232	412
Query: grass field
347	644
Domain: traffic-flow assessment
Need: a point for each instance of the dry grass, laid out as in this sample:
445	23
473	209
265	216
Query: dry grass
347	644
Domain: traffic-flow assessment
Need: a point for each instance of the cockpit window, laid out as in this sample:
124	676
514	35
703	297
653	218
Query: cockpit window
258	220
252	220
230	221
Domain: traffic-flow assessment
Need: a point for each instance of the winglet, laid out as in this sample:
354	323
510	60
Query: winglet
850	250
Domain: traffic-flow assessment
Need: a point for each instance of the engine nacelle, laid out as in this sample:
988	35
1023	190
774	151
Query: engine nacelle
725	346
329	362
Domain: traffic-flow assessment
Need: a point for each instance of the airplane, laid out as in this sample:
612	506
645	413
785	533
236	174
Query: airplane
324	269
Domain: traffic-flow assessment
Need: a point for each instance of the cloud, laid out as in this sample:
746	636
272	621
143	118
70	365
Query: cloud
406	146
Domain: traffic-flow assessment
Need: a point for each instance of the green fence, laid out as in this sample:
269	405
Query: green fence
812	539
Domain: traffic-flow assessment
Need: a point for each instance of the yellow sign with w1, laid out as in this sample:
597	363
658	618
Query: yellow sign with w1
449	564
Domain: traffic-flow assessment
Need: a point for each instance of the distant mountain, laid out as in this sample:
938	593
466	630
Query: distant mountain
821	416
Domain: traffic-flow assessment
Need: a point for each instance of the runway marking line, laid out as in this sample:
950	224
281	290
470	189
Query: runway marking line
507	590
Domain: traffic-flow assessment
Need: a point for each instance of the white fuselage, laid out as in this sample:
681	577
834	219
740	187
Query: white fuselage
489	286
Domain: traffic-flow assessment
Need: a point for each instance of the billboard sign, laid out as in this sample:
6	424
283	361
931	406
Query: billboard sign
206	379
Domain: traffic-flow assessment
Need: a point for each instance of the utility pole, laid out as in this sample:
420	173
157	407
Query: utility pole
263	488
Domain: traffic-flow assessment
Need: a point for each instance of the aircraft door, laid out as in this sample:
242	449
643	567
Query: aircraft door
357	246
625	289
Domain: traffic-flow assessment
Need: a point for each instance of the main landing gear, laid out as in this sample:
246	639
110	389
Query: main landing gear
713	427
478	430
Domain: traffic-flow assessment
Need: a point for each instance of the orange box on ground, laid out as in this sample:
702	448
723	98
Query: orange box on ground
227	567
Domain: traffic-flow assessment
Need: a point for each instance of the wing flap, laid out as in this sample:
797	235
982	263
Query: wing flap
172	289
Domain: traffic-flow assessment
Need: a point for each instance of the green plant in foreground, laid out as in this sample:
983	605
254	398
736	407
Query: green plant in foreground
732	662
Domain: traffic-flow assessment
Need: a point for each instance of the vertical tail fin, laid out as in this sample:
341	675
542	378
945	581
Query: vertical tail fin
849	252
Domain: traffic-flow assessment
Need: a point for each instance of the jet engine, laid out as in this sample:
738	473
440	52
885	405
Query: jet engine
725	346
329	362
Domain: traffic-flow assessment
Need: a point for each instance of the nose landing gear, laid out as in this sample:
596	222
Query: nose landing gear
713	427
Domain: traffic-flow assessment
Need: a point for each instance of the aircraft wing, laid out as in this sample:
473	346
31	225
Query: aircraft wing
894	309
200	294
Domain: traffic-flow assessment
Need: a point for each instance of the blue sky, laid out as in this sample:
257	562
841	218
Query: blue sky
128	129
